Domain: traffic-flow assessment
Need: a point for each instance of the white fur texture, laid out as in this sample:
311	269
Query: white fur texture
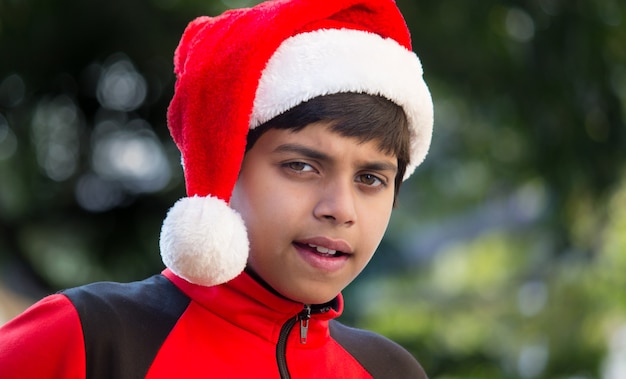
330	61
204	241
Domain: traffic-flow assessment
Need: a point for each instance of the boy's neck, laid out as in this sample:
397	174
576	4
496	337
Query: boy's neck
254	275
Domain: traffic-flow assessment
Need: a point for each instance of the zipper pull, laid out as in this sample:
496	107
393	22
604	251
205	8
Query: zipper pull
304	317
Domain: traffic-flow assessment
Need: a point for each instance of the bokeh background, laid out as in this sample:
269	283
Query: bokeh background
506	255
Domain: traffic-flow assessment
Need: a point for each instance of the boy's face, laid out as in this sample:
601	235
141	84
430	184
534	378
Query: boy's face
304	194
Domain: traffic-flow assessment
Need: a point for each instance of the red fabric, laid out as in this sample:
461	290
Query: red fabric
218	65
231	330
227	331
46	341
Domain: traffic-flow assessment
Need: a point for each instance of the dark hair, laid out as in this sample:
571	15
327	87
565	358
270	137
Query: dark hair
361	116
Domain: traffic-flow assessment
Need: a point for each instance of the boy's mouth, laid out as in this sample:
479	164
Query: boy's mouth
320	250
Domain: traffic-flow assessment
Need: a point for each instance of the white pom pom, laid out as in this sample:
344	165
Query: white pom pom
204	241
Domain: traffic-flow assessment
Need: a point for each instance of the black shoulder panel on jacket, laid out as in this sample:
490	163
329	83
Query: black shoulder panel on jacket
381	357
125	324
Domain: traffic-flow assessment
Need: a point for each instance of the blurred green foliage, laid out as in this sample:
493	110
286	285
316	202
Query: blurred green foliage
505	257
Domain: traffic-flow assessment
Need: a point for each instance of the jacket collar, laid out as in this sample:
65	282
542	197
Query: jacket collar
252	306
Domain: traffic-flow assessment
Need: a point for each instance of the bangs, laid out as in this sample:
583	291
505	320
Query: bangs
360	116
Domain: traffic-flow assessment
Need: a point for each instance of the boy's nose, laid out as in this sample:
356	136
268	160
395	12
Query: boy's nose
336	203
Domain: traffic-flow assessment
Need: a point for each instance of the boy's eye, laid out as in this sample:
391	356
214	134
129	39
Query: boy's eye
370	180
299	166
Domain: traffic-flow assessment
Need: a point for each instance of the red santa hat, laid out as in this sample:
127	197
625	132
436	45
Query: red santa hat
241	69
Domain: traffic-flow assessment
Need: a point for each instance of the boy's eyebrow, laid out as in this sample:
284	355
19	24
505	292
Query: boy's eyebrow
381	166
321	156
301	149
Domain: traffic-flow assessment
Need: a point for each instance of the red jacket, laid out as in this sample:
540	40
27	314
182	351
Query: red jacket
165	327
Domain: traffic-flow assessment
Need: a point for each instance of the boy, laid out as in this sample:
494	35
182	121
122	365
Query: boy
297	122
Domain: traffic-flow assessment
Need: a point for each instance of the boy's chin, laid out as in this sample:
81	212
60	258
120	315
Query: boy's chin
312	298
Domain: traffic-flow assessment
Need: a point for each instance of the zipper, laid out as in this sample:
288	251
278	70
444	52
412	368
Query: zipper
281	346
304	318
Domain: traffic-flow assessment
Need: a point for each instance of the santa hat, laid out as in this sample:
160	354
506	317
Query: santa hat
241	69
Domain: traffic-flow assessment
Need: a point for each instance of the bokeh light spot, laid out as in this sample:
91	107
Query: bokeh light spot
132	156
55	133
121	87
532	360
532	298
12	91
8	141
96	194
519	25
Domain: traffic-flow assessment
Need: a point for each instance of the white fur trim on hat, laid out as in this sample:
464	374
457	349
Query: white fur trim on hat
330	61
204	241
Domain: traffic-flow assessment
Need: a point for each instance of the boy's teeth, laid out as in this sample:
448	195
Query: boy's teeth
323	250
